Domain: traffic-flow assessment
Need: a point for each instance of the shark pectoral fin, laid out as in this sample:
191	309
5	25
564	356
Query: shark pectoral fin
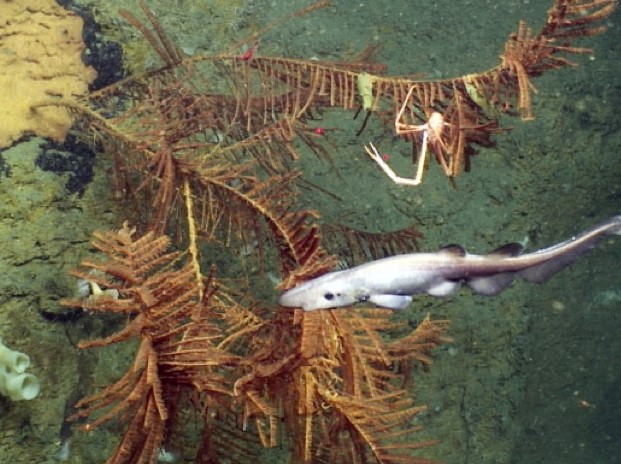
491	285
391	301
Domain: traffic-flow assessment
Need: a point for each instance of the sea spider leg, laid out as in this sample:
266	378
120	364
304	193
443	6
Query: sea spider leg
375	156
401	128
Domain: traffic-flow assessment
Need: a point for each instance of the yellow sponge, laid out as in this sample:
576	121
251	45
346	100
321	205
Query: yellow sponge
40	57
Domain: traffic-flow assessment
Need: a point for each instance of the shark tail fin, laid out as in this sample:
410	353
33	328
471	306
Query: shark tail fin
542	272
615	225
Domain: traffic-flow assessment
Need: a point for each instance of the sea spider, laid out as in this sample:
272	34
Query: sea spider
432	132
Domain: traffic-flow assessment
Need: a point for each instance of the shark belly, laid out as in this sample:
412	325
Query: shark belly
404	282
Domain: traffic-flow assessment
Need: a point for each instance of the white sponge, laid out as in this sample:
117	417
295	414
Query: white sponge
14	382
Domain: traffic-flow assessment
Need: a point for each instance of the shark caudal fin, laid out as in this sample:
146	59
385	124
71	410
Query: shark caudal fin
576	247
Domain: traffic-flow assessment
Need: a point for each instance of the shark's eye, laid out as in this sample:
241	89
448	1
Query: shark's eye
329	296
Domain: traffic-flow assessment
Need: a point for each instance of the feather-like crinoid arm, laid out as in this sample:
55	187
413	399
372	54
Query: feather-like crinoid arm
125	281
529	55
169	307
358	246
334	374
129	259
258	212
142	279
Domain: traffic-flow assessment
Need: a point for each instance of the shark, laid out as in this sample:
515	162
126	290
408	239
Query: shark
392	282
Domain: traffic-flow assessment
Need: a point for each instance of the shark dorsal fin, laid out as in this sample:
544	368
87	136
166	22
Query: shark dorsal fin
453	250
508	250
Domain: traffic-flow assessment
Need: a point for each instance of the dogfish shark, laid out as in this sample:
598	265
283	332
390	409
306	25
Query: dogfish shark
392	282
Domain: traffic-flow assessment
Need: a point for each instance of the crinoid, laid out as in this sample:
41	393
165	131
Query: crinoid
220	109
468	105
336	383
204	148
166	304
